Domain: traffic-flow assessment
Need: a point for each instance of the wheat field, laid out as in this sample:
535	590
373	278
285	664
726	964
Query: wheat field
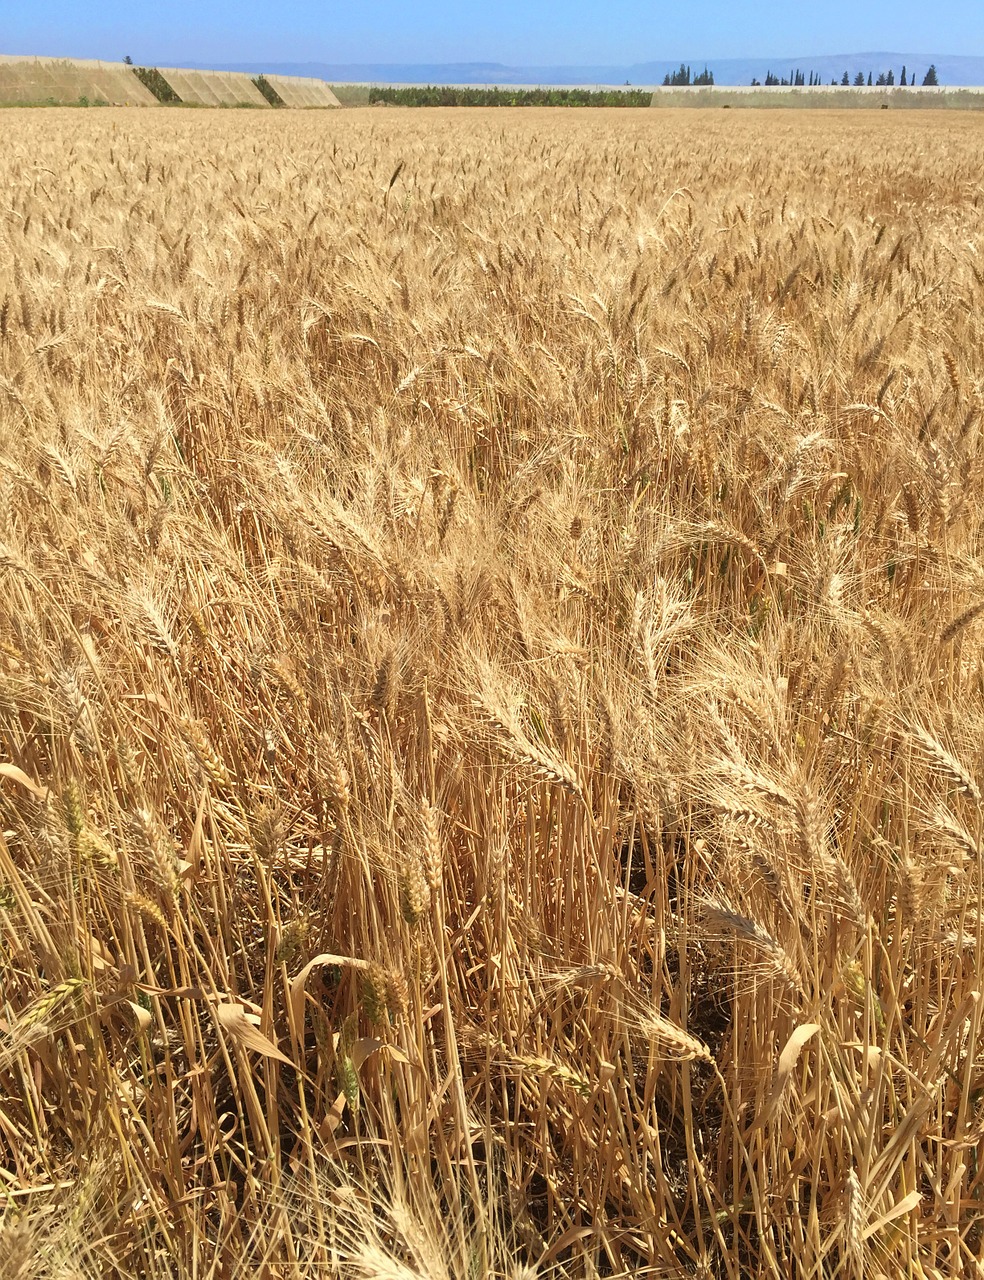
491	713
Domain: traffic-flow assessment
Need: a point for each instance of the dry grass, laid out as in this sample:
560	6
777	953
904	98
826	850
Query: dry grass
490	695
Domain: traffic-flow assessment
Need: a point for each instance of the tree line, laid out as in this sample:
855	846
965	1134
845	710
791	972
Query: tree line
798	78
683	79
442	95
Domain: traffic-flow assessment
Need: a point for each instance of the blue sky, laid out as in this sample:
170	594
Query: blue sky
519	32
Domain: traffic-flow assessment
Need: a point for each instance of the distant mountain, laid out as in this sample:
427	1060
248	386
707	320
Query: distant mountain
952	69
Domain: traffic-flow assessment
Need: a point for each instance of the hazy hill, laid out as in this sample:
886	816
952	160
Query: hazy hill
952	69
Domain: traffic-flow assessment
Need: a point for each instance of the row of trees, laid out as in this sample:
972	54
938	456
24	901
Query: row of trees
683	78
443	95
797	78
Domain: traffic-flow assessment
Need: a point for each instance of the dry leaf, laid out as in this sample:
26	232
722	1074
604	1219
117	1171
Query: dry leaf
787	1062
363	1049
905	1205
196	845
18	775
102	957
128	974
333	1118
296	994
140	1016
794	1047
234	1022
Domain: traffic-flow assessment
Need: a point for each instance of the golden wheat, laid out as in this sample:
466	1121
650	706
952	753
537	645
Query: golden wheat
456	569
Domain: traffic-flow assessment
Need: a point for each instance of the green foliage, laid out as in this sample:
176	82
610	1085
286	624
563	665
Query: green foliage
268	91
152	79
797	79
683	79
455	96
885	79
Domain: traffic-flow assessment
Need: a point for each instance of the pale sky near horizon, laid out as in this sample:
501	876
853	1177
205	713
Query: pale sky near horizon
516	32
